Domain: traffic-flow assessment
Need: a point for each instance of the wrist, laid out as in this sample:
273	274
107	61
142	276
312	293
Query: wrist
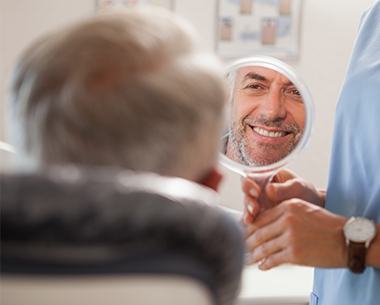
341	252
373	251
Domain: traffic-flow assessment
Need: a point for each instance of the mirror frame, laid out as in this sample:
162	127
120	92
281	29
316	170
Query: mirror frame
289	72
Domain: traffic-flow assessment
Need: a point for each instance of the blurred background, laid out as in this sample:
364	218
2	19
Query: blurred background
328	29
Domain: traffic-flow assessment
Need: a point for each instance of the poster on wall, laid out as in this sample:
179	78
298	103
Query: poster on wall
103	4
258	27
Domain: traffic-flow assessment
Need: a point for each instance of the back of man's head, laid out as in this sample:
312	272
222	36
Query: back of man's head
124	89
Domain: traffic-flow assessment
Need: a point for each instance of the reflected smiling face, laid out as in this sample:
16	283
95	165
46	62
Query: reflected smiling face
268	117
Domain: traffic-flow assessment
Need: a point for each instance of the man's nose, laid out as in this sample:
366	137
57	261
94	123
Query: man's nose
273	106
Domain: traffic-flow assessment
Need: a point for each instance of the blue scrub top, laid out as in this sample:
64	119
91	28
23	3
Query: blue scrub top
354	182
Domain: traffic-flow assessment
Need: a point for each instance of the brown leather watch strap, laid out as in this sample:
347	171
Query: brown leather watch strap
356	256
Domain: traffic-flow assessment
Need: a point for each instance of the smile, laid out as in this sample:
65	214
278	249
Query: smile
270	134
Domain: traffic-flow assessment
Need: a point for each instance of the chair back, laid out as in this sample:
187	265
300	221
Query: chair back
84	234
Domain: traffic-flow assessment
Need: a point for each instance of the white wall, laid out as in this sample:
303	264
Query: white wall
21	21
328	33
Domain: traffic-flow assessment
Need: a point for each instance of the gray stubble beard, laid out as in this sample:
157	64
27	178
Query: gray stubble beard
239	147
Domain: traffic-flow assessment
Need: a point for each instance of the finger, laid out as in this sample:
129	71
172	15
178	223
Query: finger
267	249
251	188
251	209
266	217
274	260
247	218
265	234
278	192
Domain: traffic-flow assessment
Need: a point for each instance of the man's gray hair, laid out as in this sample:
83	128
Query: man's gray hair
124	89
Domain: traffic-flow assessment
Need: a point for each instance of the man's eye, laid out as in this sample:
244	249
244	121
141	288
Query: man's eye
293	92
255	86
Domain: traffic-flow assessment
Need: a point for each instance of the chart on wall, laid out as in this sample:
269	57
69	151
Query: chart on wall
103	4
258	27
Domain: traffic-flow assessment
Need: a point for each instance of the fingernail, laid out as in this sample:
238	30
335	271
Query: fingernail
262	267
250	209
261	264
253	192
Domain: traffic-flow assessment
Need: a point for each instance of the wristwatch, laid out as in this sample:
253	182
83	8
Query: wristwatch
359	232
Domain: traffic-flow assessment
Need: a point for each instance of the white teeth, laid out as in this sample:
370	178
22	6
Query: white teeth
271	134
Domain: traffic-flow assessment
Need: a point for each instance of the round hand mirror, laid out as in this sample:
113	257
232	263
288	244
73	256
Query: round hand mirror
268	119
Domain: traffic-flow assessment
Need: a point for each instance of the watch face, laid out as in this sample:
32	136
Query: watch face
359	229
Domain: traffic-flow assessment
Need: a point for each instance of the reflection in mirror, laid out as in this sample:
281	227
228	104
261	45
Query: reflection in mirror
267	116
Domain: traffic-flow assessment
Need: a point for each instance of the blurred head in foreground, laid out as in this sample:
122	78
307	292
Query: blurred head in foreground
124	89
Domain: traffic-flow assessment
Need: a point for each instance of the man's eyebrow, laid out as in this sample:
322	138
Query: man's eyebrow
254	75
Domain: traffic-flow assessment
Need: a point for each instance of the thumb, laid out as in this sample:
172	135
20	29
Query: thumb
278	192
284	175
